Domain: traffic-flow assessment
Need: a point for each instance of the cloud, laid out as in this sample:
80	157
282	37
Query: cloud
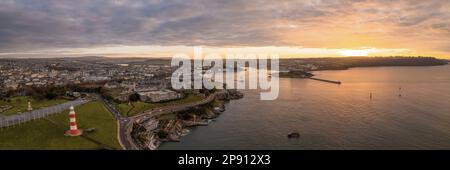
28	24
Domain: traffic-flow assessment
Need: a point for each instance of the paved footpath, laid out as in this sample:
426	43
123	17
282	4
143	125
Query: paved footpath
7	121
123	127
173	108
125	124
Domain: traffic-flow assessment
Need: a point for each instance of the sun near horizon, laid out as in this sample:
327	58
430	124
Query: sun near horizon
293	29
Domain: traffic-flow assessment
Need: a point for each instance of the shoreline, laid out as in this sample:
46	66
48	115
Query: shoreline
309	74
148	134
347	68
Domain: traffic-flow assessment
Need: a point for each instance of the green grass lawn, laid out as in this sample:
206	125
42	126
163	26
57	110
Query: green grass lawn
139	106
20	104
42	134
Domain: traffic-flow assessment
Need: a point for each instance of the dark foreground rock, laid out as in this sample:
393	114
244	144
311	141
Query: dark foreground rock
149	133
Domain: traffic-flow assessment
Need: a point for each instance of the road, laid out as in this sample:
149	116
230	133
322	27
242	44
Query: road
173	108
39	113
123	126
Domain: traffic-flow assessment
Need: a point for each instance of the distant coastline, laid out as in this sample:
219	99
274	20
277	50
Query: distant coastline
289	67
301	68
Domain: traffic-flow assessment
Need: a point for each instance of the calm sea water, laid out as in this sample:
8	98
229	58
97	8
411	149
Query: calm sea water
330	116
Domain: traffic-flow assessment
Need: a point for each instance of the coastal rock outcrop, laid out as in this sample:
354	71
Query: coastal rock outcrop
148	133
229	94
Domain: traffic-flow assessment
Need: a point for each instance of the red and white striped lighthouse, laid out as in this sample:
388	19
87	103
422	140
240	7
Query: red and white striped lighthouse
74	131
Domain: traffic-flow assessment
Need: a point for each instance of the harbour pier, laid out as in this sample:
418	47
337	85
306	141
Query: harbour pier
325	80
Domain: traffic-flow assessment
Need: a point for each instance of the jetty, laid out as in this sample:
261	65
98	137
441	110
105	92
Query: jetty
325	80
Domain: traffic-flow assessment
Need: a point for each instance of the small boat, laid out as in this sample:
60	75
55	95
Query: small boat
293	135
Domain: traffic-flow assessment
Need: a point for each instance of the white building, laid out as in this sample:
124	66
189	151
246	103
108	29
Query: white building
159	96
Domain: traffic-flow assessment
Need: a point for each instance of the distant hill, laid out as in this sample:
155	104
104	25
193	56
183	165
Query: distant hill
349	62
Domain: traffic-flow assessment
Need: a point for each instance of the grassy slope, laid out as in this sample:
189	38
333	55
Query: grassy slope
139	106
42	134
20	104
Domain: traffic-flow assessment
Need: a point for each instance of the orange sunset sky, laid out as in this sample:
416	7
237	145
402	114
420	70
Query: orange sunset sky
154	28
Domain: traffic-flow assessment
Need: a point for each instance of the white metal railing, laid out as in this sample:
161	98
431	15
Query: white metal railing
8	121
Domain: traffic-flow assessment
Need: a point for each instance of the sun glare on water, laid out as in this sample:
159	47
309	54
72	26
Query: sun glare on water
352	53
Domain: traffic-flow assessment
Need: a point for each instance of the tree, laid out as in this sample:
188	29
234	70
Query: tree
133	97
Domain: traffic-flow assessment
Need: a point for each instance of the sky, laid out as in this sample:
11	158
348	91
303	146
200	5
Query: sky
162	28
